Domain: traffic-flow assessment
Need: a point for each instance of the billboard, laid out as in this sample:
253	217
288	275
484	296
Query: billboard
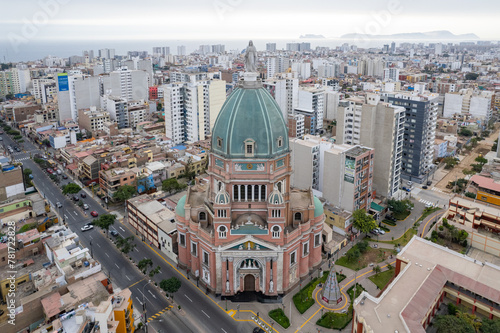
62	81
349	169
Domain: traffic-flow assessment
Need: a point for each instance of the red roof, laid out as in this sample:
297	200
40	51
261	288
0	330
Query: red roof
485	182
72	166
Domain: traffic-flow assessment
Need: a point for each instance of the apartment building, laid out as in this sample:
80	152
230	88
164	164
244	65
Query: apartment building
110	180
92	119
296	127
311	106
76	91
380	126
476	103
154	222
419	133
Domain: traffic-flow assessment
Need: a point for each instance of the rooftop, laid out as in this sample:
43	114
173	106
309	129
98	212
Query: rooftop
406	301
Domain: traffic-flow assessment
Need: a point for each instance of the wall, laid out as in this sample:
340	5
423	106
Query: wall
484	243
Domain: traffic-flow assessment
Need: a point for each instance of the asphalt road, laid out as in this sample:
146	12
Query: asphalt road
201	313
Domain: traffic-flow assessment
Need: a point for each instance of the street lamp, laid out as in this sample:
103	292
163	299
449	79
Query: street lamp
144	308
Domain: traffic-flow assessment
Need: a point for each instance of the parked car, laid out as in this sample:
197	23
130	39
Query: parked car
76	198
374	231
409	183
85	206
58	205
114	233
391	218
429	205
380	231
83	195
258	330
49	170
425	187
65	177
87	227
429	182
94	213
18	149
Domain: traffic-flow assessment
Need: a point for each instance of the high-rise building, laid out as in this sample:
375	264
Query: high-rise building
476	103
259	241
129	84
419	134
192	107
271	47
14	81
393	47
311	106
380	126
76	91
107	53
181	50
391	74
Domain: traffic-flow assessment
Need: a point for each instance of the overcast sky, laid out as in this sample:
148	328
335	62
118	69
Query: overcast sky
240	19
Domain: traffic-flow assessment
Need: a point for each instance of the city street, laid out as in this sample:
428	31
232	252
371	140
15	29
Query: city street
199	312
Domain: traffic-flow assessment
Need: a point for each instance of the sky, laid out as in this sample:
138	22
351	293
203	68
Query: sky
73	20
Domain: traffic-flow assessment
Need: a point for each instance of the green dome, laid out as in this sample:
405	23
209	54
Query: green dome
318	207
250	116
179	209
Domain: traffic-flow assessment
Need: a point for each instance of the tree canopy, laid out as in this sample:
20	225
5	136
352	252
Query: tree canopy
105	221
399	207
170	185
471	76
71	188
171	285
124	192
452	324
144	264
363	222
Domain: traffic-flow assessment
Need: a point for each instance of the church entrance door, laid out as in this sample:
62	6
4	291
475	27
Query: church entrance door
249	282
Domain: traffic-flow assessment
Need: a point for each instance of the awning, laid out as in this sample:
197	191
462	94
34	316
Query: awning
376	207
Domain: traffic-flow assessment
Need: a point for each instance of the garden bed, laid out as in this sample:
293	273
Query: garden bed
279	316
303	300
370	256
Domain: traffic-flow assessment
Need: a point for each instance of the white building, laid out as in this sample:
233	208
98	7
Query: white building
380	126
129	84
391	74
74	92
311	105
285	90
476	103
303	68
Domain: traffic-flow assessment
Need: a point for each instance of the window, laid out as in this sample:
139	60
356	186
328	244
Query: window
202	216
194	249
317	240
219	142
221	213
293	258
205	258
298	217
276	231
280	142
182	239
249	149
305	249
222	231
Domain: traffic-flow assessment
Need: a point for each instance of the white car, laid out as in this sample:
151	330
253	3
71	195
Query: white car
380	231
429	205
87	227
58	204
85	206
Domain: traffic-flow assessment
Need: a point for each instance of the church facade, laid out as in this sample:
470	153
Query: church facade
247	229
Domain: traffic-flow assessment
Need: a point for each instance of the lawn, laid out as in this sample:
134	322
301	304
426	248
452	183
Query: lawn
382	279
359	290
427	211
303	300
402	216
370	256
279	316
337	321
403	240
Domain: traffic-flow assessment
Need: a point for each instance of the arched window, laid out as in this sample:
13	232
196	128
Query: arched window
276	230
249	148
298	217
280	142
279	186
202	216
222	231
219	186
219	142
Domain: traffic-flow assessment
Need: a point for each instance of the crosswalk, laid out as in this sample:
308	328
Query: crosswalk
426	202
21	159
437	190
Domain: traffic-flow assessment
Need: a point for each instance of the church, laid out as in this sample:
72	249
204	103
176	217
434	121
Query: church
247	230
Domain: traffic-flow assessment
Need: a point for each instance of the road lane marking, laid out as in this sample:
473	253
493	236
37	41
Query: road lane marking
98	245
91	237
75	213
205	313
117	266
107	254
122	229
223	330
188	298
127	277
137	298
149	291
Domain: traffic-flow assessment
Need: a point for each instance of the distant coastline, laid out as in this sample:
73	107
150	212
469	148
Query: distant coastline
311	36
442	34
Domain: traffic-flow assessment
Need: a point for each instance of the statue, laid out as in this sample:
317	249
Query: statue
227	286
251	58
240	247
271	286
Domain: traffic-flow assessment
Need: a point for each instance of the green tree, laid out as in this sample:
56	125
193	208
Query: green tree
189	171
71	188
362	246
9	96
144	264
481	160
464	131
79	136
105	221
126	245
471	76
449	162
171	184
124	193
27	172
399	207
468	172
353	254
452	324
362	221
490	325
155	271
495	146
377	269
159	106
46	142
171	285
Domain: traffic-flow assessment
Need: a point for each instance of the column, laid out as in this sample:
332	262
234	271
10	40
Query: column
246	192
252	189
231	275
239	192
